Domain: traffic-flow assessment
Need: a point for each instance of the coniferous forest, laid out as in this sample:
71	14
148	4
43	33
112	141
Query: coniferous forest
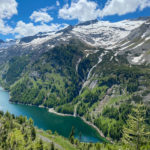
75	75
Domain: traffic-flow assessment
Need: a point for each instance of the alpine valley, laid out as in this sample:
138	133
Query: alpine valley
97	70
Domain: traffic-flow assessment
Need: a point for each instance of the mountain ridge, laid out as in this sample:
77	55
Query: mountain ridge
91	68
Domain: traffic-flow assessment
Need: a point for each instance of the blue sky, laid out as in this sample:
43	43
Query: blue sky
19	18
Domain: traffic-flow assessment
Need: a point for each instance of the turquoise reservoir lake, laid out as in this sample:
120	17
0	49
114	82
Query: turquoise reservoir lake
49	121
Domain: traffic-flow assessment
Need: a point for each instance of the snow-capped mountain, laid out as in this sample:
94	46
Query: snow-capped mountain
96	33
123	36
88	55
137	44
104	33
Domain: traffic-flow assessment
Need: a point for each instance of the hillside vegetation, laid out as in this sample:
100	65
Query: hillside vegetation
101	88
18	133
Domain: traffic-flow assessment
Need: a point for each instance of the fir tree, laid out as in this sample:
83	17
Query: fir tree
71	137
135	132
33	133
52	146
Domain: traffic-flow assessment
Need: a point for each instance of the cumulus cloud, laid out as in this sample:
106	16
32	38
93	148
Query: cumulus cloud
121	7
8	8
23	29
28	29
82	10
39	16
4	28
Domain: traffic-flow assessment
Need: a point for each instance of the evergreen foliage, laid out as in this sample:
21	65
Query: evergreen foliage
136	133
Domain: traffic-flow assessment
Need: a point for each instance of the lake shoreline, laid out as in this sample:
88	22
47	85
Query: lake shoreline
51	110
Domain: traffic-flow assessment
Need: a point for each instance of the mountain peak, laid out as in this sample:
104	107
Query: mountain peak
66	30
87	22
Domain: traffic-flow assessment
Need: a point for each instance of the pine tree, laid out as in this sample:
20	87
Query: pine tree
71	137
33	133
40	145
15	140
52	146
135	132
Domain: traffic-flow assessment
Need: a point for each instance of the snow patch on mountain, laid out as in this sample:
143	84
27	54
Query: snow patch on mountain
148	38
137	59
125	43
138	45
98	33
123	48
38	41
104	33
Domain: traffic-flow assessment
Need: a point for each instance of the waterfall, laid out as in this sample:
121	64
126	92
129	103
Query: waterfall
99	61
86	82
77	65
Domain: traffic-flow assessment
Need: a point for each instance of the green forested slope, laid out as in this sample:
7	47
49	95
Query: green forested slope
54	78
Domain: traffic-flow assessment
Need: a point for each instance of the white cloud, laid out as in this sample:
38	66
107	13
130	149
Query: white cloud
4	28
22	29
82	10
47	8
57	3
8	8
121	7
39	16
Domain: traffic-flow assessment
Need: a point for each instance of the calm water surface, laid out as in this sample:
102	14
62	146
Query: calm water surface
45	120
